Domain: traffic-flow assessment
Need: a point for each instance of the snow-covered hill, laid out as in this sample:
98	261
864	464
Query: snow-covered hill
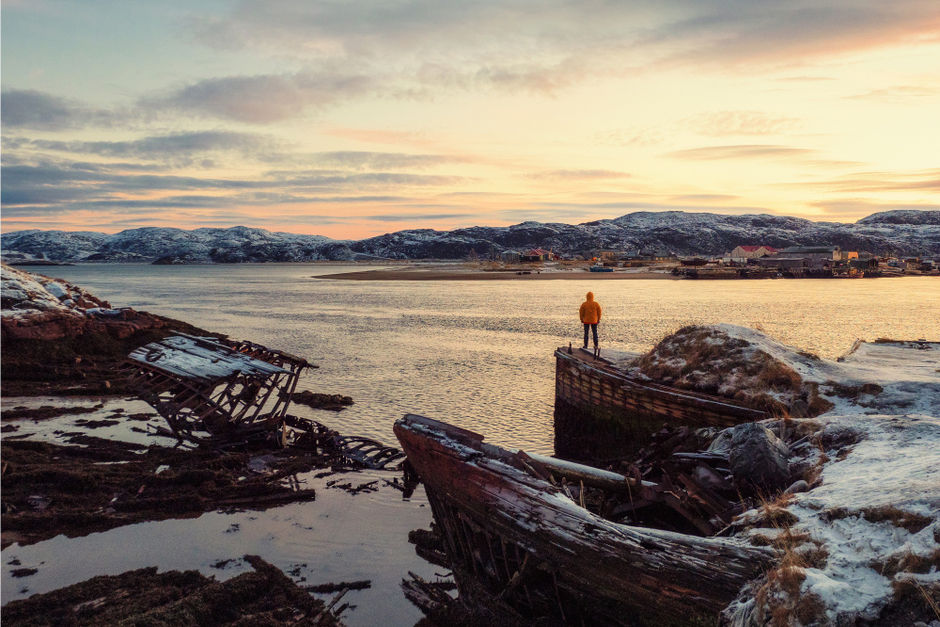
899	232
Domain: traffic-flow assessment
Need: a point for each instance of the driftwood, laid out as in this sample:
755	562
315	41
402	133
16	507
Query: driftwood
534	548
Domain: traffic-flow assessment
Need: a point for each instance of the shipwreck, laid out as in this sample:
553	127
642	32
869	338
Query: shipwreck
220	393
602	411
547	539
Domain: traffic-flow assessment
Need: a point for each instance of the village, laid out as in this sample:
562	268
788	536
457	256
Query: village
743	262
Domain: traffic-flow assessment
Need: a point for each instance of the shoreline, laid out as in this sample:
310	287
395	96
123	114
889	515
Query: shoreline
474	275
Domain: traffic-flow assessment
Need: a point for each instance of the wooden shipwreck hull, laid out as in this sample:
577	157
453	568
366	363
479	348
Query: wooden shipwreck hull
514	533
207	388
603	412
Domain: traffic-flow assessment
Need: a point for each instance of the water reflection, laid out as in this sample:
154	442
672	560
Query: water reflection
479	353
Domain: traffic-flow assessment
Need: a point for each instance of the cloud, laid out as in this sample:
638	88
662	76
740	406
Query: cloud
360	160
62	186
683	198
740	151
262	99
903	94
722	123
418	217
861	207
576	175
515	45
916	181
179	148
28	108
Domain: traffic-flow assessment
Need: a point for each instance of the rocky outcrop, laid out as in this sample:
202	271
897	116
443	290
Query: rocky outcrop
58	337
36	307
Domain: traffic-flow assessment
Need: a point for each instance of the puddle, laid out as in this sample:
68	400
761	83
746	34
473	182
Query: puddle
125	419
338	537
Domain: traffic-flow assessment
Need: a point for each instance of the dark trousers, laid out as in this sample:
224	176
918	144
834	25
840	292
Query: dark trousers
593	328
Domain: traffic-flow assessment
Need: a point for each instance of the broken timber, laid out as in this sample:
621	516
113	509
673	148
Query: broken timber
528	544
603	412
211	390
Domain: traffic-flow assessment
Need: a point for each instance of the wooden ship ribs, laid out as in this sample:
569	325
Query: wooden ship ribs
211	389
603	412
518	531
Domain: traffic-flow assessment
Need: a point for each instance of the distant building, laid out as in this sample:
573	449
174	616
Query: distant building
650	255
510	256
741	253
831	253
537	254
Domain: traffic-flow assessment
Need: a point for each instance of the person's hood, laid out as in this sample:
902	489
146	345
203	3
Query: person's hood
590	295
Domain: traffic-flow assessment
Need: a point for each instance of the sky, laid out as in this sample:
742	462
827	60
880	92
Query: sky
355	118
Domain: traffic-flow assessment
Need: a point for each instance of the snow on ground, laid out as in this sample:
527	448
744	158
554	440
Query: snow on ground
868	529
876	510
24	294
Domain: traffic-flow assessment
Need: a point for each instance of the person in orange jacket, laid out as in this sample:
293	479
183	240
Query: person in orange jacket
590	315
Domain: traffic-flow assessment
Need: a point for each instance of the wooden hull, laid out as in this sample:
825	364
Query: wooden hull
602	412
520	539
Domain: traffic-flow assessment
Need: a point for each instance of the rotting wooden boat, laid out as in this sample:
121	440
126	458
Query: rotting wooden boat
221	392
514	533
604	411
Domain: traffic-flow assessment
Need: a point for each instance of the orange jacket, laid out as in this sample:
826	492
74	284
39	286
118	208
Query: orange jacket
590	310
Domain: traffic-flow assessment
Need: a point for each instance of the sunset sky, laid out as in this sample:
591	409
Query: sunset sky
356	118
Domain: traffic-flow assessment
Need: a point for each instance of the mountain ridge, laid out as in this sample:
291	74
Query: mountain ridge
904	232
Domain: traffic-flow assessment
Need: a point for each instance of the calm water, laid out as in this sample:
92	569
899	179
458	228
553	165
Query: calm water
476	353
479	353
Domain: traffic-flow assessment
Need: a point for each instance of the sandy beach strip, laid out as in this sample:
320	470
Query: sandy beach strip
479	275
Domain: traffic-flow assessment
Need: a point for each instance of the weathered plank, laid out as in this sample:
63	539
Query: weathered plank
663	575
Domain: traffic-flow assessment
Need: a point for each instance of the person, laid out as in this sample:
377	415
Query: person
590	315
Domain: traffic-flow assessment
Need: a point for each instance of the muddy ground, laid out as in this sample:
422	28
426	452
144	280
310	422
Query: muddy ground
98	484
265	596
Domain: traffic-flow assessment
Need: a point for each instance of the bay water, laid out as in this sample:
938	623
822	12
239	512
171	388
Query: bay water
478	354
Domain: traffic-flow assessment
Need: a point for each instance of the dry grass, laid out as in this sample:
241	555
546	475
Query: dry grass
707	360
908	563
921	600
852	391
779	598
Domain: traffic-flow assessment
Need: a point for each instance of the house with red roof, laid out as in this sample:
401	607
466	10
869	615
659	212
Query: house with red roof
538	254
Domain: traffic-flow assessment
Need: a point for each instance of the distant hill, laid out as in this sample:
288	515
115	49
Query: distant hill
901	232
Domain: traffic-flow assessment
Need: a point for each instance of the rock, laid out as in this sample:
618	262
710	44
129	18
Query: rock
797	486
758	459
799	409
722	442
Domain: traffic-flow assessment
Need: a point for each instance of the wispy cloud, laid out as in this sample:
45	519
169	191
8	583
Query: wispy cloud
180	148
577	175
904	94
262	99
723	123
916	181
65	186
510	45
32	109
417	218
361	160
741	151
861	207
